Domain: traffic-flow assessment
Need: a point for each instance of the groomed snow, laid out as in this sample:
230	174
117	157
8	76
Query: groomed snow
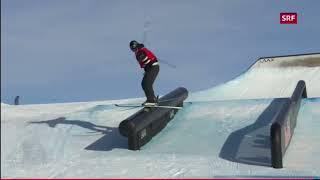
222	133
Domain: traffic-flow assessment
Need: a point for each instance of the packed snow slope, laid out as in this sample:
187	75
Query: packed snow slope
223	132
269	77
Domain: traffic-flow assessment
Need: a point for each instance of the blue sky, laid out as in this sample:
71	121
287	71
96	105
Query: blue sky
77	50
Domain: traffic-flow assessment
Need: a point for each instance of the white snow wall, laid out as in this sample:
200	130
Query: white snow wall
280	74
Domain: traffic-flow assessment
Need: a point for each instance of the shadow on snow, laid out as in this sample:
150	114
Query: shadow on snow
251	144
111	140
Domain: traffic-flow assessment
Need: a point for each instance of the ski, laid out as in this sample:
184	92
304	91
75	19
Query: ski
139	105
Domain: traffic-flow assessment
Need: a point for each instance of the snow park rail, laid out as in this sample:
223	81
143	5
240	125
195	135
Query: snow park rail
284	123
143	125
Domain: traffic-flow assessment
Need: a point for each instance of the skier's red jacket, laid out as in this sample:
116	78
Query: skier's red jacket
145	57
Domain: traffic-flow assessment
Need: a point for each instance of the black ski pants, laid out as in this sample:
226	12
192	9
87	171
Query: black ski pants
150	75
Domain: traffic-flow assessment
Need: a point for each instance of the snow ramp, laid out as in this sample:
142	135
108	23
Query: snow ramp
269	77
223	132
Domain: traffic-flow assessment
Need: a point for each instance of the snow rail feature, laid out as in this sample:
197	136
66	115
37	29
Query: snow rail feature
283	125
146	123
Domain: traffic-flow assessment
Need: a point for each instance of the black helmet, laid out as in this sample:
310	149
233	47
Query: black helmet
134	45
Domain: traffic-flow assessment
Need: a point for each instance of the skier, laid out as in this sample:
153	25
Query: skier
149	62
16	100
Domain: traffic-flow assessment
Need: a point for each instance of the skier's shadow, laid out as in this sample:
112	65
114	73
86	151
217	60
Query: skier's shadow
251	144
112	138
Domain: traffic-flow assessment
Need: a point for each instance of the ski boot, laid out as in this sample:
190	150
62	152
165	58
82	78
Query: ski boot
153	102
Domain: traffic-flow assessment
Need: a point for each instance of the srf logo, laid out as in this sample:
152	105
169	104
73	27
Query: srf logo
288	18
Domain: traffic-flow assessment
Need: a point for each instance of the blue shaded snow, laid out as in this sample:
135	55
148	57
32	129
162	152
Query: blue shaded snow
204	129
205	139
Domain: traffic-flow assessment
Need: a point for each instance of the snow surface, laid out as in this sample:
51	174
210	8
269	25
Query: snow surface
4	104
222	133
269	78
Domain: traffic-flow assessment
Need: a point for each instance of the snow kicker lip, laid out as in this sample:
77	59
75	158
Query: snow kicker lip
143	125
